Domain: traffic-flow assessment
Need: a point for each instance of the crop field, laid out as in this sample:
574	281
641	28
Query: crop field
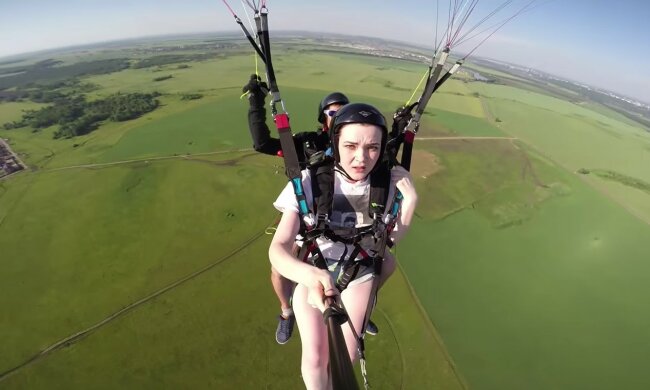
119	245
560	305
490	71
566	265
576	138
518	273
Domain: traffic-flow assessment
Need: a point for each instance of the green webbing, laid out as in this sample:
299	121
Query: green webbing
426	73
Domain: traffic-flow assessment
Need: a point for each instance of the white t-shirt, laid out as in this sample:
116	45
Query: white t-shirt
349	209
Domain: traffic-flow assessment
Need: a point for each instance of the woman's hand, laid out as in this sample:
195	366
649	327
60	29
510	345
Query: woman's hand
401	178
319	287
404	183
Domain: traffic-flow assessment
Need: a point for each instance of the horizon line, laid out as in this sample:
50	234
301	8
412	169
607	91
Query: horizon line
15	57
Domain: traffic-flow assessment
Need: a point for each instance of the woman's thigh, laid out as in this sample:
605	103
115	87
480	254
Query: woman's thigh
313	333
355	299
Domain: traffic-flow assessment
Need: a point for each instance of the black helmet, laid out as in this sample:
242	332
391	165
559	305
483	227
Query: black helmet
358	113
332	98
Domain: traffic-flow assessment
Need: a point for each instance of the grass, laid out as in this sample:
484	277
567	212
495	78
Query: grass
171	339
13	111
212	126
207	77
135	228
551	301
468	171
447	123
455	96
575	138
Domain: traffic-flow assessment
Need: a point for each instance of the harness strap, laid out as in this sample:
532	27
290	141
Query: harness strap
310	247
360	340
350	268
351	265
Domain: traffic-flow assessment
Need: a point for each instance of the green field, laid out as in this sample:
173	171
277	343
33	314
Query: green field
519	273
528	286
576	137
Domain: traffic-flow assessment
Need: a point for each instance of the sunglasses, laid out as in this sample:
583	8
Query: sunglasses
330	113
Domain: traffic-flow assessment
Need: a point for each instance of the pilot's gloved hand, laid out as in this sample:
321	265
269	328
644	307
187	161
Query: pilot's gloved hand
256	89
401	118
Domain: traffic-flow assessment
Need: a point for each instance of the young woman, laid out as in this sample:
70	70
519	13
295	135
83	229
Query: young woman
359	136
306	142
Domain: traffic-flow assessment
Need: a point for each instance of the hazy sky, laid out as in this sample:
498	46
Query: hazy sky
599	42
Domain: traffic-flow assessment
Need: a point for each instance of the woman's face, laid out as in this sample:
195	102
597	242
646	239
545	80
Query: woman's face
359	149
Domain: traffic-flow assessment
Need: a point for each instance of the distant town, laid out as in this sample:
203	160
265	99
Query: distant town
631	108
540	74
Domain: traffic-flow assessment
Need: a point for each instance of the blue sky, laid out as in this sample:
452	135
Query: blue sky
599	42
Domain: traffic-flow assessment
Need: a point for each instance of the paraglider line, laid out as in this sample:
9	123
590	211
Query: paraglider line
464	20
251	5
485	19
522	10
230	9
250	23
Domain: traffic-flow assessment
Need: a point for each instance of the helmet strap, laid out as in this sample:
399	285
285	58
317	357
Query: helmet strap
339	169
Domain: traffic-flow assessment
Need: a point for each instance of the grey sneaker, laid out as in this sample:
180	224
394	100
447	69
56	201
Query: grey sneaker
371	328
284	330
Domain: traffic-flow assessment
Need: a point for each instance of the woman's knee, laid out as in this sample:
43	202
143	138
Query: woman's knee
314	360
274	273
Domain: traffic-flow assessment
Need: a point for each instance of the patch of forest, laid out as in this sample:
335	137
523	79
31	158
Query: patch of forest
77	116
15	80
619	178
47	71
167	59
47	93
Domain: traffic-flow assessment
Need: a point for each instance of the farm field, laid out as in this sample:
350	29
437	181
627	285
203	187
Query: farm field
519	272
595	141
532	290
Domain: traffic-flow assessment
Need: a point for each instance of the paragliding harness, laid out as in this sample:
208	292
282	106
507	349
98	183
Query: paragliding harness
322	186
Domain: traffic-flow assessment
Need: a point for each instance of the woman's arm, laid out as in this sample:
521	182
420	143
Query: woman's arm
404	183
318	281
280	250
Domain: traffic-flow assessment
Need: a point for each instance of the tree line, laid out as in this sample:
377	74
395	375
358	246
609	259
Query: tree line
45	72
48	93
77	116
51	71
